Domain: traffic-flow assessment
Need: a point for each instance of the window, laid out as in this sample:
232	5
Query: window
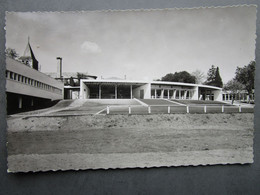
11	75
6	73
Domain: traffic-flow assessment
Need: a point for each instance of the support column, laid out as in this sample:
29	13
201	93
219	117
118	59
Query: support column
20	102
174	94
168	94
99	92
155	93
185	94
32	102
131	91
162	92
70	94
115	91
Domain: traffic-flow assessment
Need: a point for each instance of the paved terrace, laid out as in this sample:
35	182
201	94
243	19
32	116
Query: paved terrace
136	106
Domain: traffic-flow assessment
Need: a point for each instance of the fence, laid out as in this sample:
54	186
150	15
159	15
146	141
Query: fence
154	109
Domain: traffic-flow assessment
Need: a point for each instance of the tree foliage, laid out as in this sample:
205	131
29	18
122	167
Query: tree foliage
81	75
11	53
213	77
246	76
234	86
199	76
182	76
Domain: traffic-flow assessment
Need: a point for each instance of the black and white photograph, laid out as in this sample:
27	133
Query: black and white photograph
124	89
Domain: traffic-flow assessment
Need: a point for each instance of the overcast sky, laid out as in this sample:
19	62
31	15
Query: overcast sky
139	44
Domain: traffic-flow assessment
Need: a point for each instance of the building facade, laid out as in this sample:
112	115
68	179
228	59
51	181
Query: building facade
241	95
27	87
128	89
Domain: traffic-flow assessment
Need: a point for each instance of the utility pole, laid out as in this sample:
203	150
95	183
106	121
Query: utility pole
59	58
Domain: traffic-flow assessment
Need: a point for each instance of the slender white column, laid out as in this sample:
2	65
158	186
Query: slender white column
70	92
20	102
99	92
168	94
185	94
162	92
131	91
155	93
174	94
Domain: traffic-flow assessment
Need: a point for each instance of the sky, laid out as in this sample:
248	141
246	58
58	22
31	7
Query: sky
141	44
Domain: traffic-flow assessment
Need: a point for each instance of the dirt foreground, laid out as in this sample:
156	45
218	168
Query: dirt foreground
42	143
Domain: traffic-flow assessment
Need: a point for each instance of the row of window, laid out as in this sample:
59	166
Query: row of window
179	94
239	96
32	82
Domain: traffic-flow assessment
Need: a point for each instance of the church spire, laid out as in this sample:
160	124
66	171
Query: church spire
29	52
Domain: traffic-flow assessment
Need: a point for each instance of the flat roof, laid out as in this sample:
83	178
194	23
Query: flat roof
115	81
148	82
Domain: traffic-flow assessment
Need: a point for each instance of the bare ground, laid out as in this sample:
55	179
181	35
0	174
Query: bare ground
120	141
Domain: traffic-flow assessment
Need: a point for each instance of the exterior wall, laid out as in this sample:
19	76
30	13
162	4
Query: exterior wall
75	95
195	93
147	91
217	95
22	79
84	91
71	93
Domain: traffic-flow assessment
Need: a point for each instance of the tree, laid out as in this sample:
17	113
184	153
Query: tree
218	79
81	75
11	53
234	87
182	76
211	75
246	76
199	76
214	78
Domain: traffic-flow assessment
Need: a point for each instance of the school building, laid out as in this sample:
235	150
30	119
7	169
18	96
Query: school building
129	89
